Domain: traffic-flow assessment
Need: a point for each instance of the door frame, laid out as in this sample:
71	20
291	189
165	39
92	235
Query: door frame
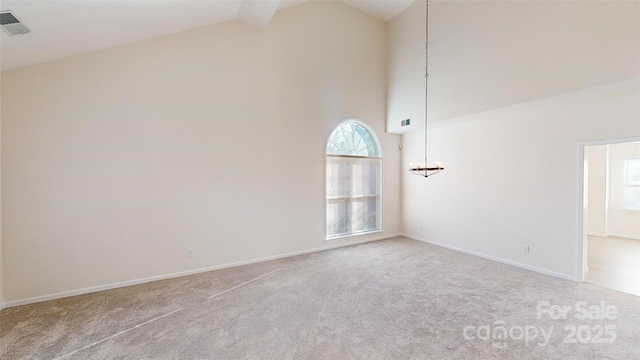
581	206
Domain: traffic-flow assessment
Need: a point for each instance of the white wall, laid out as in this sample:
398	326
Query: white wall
513	173
606	215
512	176
485	55
406	88
116	162
1	231
597	190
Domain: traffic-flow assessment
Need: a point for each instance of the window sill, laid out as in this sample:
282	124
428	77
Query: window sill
352	235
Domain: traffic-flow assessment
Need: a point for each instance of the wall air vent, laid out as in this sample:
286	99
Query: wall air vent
11	25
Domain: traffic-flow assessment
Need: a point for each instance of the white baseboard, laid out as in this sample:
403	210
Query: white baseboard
496	259
183	273
618	235
602	235
625	236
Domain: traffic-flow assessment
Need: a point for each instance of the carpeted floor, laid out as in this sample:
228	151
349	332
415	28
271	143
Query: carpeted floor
392	299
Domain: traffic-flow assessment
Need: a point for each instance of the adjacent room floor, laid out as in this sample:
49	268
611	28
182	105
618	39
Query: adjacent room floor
614	263
392	299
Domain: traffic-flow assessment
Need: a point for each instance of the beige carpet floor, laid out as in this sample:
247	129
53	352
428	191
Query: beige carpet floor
392	299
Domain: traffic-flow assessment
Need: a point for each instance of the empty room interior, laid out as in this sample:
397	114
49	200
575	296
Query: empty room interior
612	193
293	179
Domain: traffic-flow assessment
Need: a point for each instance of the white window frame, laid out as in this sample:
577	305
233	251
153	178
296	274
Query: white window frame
626	184
374	137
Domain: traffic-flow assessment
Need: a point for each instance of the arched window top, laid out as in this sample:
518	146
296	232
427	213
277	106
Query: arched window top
352	137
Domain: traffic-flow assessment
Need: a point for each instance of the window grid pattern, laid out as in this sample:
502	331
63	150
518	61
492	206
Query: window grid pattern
353	184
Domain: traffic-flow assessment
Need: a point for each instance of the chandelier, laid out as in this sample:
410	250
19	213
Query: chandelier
422	169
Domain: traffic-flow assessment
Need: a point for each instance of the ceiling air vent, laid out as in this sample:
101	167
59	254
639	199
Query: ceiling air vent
11	25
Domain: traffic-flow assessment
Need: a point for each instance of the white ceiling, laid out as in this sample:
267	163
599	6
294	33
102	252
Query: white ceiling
63	28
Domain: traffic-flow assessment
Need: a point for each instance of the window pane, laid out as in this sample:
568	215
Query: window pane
351	138
353	195
631	192
632	198
336	216
632	172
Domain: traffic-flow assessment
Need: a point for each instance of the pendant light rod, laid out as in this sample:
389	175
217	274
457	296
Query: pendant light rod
424	170
426	76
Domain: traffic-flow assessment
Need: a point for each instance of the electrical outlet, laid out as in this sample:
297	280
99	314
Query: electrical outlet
190	252
525	249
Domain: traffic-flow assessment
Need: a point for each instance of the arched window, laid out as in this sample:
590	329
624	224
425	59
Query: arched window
354	180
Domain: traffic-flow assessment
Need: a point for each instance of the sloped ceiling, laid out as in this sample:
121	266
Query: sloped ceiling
63	28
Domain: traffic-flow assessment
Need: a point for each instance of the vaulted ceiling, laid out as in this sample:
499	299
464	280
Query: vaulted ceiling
63	28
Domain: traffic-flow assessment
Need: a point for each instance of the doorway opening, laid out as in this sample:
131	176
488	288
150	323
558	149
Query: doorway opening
610	229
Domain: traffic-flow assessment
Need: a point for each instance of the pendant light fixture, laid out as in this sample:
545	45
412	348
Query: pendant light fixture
423	169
